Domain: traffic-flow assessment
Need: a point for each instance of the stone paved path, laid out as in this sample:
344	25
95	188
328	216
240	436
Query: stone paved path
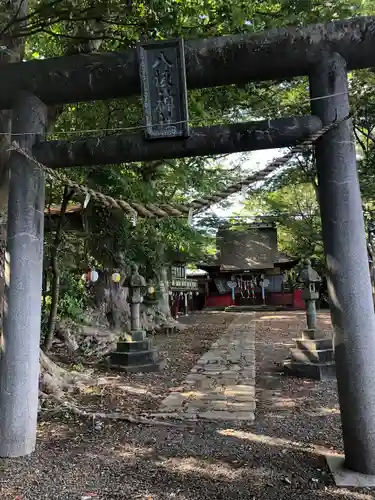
221	386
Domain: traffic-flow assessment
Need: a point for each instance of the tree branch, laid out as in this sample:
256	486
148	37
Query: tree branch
14	20
361	143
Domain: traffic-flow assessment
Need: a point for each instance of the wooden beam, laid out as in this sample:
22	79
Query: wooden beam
203	141
276	54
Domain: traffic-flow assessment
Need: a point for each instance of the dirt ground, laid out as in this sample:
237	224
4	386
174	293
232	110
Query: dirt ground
278	457
139	394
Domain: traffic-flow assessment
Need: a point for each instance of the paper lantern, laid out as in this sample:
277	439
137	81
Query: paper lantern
92	276
116	277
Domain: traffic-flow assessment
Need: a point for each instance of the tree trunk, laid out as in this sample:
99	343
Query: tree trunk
163	303
64	334
55	380
55	293
55	286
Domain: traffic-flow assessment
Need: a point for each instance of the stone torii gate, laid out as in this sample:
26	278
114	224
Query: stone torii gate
323	52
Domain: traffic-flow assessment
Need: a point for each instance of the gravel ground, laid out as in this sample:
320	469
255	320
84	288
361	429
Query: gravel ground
278	457
140	393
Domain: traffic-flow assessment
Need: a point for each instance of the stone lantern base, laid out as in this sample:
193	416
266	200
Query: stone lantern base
312	356
135	354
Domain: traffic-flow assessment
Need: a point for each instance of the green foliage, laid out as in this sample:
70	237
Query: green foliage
296	212
73	297
66	26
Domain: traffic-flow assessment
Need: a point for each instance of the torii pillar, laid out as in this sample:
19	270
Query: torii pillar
19	357
349	284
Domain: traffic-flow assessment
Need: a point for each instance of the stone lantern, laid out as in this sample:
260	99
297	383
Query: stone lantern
313	353
135	352
310	278
137	289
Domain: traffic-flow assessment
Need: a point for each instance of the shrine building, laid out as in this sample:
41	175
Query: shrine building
248	268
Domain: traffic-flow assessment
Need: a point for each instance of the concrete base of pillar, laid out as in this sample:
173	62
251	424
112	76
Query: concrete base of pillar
346	478
135	356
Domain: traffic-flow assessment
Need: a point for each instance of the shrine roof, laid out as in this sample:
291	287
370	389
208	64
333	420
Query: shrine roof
191	273
280	258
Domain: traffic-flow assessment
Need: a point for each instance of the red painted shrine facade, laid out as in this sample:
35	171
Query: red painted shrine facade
249	270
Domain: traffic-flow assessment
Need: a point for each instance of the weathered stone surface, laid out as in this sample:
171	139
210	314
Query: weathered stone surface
216	139
223	379
216	61
200	405
344	235
227	415
175	399
239	391
241	406
19	365
194	377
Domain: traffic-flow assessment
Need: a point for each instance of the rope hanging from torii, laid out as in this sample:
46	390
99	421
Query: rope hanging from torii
203	203
179	210
131	208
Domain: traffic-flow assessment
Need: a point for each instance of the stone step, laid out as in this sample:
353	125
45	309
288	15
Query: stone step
316	371
317	356
134	358
134	346
313	345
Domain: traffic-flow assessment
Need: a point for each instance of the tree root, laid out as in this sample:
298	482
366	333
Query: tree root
63	333
105	416
57	380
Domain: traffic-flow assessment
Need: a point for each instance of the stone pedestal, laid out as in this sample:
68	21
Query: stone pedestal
312	356
135	356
